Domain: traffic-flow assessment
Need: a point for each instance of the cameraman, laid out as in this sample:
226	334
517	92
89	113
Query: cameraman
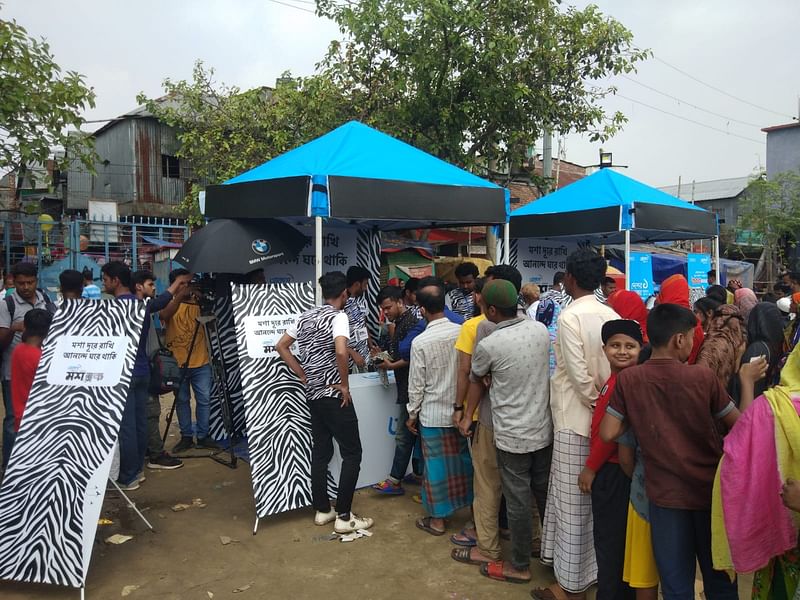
180	321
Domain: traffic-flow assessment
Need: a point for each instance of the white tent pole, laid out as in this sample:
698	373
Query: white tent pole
507	244
627	259
318	259
717	265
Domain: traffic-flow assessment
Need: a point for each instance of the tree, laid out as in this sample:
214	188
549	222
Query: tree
38	103
470	81
224	131
478	80
770	210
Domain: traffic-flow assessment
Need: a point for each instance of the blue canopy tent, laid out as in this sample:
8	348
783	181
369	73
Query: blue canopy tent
610	208
359	176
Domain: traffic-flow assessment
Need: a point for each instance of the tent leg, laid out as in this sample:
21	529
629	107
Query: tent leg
717	264
627	259
318	259
506	244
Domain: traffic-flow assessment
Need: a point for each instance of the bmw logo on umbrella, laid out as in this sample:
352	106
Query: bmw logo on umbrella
260	246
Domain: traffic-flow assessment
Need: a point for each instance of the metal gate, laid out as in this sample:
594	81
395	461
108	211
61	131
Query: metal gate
78	243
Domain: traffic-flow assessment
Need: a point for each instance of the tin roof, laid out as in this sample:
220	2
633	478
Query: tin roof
716	189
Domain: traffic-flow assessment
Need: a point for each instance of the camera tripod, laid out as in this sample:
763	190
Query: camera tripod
208	321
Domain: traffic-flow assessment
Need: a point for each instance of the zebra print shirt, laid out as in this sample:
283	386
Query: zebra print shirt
356	313
315	332
461	302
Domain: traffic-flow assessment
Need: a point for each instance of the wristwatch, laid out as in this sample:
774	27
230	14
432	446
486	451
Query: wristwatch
457	407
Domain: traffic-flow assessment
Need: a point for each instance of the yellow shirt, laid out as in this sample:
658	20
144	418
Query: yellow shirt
180	328
469	331
466	344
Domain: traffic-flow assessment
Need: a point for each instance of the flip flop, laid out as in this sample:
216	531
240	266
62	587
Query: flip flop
462	555
494	570
554	592
468	541
425	524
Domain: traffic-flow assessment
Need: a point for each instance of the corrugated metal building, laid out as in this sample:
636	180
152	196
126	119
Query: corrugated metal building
720	196
137	168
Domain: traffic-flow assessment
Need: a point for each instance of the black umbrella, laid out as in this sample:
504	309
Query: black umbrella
240	246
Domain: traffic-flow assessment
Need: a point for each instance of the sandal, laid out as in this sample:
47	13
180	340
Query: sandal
555	592
466	540
494	570
464	555
425	524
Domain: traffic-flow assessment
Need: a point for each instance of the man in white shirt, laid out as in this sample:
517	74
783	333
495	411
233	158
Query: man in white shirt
581	372
322	336
447	485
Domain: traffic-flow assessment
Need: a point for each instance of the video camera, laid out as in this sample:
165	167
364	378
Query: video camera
203	291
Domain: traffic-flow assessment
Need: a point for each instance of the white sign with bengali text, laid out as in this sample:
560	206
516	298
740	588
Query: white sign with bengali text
338	253
539	260
263	332
88	360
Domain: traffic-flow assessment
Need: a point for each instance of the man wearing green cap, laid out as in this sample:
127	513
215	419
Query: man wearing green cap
516	357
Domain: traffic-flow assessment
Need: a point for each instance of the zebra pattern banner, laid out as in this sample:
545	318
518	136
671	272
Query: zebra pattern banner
56	479
226	329
277	414
368	255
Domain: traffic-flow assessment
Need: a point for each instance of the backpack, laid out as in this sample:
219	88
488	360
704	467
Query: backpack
165	373
48	304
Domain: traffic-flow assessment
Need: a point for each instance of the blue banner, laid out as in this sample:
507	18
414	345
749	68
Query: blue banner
697	269
641	275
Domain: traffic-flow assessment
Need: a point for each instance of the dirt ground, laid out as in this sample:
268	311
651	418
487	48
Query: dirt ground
185	559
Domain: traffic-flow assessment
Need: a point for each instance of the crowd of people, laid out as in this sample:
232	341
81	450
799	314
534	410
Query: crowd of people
25	315
577	423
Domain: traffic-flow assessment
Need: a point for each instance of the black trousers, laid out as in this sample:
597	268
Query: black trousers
330	421
611	493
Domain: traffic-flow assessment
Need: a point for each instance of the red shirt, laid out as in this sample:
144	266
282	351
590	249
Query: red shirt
24	361
601	452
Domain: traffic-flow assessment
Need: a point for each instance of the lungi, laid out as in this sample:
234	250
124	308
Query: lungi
567	537
447	484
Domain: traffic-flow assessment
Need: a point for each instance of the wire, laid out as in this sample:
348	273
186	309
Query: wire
666	112
313	12
716	89
705	110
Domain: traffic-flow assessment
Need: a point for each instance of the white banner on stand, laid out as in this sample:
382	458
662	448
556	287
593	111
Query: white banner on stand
56	479
276	409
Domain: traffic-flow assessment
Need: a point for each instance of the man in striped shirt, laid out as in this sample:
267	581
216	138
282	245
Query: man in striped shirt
447	485
322	336
460	300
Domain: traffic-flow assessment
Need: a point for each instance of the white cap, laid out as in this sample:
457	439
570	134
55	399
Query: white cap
785	304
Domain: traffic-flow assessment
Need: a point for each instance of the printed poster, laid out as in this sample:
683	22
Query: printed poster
697	268
641	276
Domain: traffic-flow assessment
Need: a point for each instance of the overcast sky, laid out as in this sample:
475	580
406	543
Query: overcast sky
750	50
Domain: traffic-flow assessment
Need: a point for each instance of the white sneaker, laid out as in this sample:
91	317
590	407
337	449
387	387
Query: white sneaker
141	477
354	523
322	518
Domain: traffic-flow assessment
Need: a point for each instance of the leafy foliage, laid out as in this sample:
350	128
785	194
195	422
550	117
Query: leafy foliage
38	103
470	81
770	208
224	131
476	80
